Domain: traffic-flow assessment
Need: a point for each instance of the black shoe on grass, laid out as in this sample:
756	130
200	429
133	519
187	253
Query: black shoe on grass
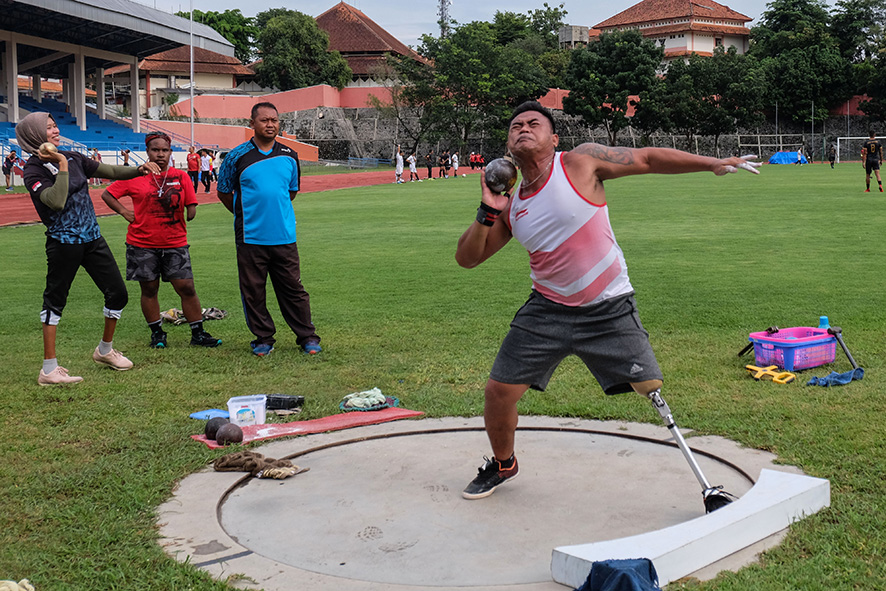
491	476
158	339
204	339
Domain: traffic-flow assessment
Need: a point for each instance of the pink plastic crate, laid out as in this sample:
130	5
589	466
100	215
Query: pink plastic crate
794	348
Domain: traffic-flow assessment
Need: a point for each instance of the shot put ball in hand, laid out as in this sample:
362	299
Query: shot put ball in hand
501	175
47	148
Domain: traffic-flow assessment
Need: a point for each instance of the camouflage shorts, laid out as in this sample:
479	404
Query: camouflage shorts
149	264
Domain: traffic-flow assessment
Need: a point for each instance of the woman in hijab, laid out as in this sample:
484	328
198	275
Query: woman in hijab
58	182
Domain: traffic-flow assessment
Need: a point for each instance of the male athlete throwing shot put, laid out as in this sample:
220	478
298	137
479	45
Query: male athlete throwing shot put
582	301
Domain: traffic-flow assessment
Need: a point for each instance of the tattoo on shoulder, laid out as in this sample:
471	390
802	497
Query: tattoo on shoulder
607	154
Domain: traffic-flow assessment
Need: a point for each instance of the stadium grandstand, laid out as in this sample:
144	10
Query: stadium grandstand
76	41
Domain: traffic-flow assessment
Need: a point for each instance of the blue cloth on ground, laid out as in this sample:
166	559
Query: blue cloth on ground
211	413
630	574
787	158
837	379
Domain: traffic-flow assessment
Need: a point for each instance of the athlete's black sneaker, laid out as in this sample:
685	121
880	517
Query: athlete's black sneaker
204	339
490	477
158	339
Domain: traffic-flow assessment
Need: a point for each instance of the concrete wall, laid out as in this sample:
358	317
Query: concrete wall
214	106
227	137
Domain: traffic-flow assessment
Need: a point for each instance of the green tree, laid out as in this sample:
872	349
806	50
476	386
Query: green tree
295	53
687	85
602	77
509	27
653	113
546	23
801	59
233	26
469	83
709	96
859	27
803	79
554	63
789	24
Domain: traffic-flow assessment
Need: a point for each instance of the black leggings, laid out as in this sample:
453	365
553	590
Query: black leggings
64	260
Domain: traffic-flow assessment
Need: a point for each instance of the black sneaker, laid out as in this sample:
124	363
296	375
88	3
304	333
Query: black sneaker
489	477
204	339
158	339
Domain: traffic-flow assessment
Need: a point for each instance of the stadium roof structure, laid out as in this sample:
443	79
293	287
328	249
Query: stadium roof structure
661	15
112	26
360	40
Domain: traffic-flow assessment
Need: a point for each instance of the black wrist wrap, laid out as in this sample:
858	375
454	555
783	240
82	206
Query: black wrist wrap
487	215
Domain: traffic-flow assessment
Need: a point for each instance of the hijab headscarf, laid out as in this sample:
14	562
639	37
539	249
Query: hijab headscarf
31	131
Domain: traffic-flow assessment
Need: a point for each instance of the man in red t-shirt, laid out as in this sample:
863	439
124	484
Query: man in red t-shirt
193	166
157	239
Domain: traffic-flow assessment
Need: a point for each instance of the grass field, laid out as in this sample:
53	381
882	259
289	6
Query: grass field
711	260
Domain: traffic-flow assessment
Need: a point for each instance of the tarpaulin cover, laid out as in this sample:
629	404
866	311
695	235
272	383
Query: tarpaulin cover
332	423
787	158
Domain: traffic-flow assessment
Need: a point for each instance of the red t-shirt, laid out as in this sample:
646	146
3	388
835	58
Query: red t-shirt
158	202
193	162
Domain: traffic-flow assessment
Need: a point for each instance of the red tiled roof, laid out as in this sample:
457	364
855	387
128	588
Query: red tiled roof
351	31
366	65
25	85
178	60
656	10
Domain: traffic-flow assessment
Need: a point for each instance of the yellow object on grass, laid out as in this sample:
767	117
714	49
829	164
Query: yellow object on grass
771	373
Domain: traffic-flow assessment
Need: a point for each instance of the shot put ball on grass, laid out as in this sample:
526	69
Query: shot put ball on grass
213	425
229	433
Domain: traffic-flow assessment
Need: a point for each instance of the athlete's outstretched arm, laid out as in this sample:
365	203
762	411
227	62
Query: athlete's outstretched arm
614	162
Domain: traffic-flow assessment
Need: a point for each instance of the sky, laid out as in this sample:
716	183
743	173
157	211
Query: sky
408	20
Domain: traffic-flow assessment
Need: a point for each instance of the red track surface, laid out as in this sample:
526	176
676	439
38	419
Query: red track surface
17	208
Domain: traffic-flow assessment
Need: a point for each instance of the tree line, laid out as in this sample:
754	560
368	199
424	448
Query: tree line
804	58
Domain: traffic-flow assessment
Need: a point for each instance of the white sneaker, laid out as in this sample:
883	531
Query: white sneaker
114	359
57	376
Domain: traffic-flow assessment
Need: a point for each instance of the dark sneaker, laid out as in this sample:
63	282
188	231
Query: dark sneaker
204	339
261	350
311	347
158	339
490	477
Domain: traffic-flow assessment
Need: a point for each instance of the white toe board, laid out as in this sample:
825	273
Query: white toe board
775	501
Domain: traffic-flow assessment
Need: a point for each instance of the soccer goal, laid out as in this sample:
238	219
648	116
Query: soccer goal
849	148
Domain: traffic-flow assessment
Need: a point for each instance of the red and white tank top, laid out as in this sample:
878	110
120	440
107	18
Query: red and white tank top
573	256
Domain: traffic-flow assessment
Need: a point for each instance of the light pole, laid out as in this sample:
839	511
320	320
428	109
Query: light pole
192	71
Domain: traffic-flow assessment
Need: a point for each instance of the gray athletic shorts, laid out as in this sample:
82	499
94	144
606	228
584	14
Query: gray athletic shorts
607	336
149	264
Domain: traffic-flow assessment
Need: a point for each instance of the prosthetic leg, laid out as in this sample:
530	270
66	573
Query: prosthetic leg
714	497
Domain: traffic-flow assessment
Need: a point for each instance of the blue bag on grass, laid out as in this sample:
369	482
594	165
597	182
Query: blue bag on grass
631	574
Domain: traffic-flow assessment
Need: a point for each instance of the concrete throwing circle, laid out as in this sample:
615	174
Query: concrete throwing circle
382	505
389	510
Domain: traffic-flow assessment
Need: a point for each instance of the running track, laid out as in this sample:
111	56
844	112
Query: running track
17	208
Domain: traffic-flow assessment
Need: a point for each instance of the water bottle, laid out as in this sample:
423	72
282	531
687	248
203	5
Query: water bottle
823	323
